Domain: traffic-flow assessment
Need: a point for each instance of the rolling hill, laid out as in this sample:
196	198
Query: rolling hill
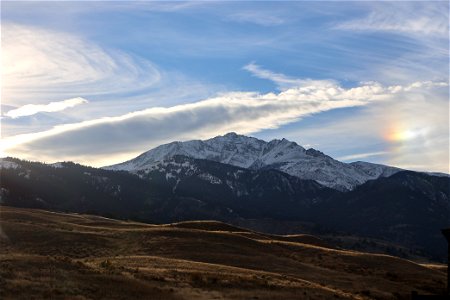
76	256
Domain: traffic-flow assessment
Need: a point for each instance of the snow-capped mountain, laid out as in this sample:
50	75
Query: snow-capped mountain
253	153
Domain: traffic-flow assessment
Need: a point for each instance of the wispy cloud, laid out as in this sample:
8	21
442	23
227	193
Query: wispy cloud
258	18
411	127
99	141
32	109
283	81
353	157
40	63
396	21
414	35
403	18
277	78
329	85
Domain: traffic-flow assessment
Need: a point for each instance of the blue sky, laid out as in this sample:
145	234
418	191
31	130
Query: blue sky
101	82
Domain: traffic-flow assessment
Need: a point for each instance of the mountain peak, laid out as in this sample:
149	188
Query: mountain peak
232	134
252	153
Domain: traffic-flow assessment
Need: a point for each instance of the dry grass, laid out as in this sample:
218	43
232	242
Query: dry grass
70	256
438	267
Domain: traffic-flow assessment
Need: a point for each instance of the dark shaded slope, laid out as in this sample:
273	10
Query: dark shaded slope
242	192
179	189
75	188
408	208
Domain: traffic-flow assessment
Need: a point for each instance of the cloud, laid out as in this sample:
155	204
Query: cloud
31	109
102	141
255	17
406	41
411	128
283	81
353	157
277	78
40	64
331	86
419	19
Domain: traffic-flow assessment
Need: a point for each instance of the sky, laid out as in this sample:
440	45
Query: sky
99	82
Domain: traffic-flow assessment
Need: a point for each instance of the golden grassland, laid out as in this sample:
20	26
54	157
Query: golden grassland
70	256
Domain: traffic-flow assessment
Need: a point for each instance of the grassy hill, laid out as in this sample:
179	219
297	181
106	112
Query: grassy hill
72	256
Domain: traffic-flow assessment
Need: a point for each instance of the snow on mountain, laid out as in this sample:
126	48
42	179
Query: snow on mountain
253	153
57	165
6	164
231	149
375	170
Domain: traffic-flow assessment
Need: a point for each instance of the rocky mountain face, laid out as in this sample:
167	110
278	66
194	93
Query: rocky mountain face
251	153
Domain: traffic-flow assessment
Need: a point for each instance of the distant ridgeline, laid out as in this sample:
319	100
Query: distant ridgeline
401	214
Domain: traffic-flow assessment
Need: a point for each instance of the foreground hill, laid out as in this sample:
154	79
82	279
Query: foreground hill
54	255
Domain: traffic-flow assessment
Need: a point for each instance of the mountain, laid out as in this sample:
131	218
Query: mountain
248	193
401	214
71	187
251	153
408	208
176	189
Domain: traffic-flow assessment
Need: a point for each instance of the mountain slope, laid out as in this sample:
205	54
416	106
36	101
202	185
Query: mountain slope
409	208
180	188
101	258
252	153
245	193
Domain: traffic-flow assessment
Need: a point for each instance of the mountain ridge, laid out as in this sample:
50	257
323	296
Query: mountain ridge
252	153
